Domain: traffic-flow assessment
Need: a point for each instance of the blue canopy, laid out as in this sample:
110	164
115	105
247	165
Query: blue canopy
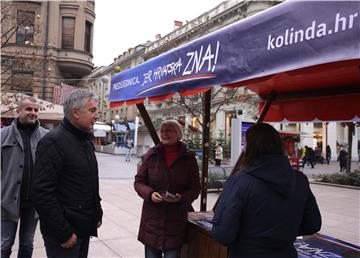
289	36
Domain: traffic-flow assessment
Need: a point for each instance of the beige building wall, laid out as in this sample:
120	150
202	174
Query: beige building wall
43	60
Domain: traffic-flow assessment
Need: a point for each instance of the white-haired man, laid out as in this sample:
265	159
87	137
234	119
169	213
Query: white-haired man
66	183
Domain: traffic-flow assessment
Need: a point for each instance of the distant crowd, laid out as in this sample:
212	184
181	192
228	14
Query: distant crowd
311	157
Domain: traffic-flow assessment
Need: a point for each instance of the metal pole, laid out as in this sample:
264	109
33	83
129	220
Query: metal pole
270	98
145	115
206	140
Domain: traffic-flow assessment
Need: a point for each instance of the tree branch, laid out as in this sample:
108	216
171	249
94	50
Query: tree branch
4	83
3	44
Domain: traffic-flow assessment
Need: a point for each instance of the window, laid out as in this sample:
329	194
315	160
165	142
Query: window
22	81
87	46
68	31
25	27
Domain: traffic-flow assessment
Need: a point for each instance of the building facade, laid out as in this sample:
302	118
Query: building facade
223	14
321	134
44	44
232	102
99	81
241	103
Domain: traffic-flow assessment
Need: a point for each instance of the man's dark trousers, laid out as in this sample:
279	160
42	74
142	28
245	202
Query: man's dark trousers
28	223
55	250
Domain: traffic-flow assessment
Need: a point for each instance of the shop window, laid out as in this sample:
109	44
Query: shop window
25	27
88	28
68	32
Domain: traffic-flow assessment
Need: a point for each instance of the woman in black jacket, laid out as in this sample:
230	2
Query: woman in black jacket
266	204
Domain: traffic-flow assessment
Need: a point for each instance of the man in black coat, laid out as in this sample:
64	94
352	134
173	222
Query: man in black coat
65	189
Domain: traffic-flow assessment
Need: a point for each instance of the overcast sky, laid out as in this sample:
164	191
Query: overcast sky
122	24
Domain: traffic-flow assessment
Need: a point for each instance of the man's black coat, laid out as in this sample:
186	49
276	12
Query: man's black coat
65	187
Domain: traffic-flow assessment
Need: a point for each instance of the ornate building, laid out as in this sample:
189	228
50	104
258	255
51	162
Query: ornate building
232	102
45	43
223	14
99	81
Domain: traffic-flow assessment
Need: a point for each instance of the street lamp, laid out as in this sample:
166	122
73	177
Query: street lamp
113	130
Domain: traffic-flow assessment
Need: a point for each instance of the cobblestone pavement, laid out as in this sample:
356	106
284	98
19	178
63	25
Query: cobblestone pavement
122	209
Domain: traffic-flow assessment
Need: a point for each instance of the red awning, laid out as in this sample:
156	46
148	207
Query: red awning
328	92
339	108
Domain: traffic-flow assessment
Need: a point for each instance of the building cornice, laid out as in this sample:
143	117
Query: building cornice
69	5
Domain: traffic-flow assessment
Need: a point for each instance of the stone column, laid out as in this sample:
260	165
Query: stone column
308	129
220	123
331	138
324	139
235	140
354	147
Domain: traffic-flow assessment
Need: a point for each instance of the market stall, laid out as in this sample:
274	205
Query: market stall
298	50
301	58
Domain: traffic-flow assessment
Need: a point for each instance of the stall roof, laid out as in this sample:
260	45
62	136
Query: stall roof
308	52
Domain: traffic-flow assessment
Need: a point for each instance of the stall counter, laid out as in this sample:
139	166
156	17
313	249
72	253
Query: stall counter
200	243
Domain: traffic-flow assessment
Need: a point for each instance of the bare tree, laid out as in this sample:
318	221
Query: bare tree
220	97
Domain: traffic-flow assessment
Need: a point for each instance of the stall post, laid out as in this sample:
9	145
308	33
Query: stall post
206	140
145	115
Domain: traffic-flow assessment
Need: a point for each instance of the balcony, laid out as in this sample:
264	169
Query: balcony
74	63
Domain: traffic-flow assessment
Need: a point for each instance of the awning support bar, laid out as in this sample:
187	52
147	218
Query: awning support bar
270	98
148	123
206	144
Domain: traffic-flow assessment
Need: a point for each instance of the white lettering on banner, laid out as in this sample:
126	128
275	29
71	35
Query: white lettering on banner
308	251
197	59
314	31
125	83
147	78
164	70
216	55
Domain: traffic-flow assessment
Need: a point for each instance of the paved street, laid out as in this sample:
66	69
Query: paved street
122	209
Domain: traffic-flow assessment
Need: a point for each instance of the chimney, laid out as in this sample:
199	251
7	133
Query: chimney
177	24
158	36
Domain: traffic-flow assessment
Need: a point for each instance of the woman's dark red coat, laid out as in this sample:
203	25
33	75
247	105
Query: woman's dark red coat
163	225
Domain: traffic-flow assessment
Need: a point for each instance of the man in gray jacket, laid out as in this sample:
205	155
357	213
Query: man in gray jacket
18	146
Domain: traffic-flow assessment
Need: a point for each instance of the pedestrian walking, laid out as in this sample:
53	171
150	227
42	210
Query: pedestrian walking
309	157
342	158
18	145
328	154
129	145
168	181
66	184
318	157
218	154
267	203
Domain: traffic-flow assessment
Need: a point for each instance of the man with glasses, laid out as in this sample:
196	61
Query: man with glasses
18	146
